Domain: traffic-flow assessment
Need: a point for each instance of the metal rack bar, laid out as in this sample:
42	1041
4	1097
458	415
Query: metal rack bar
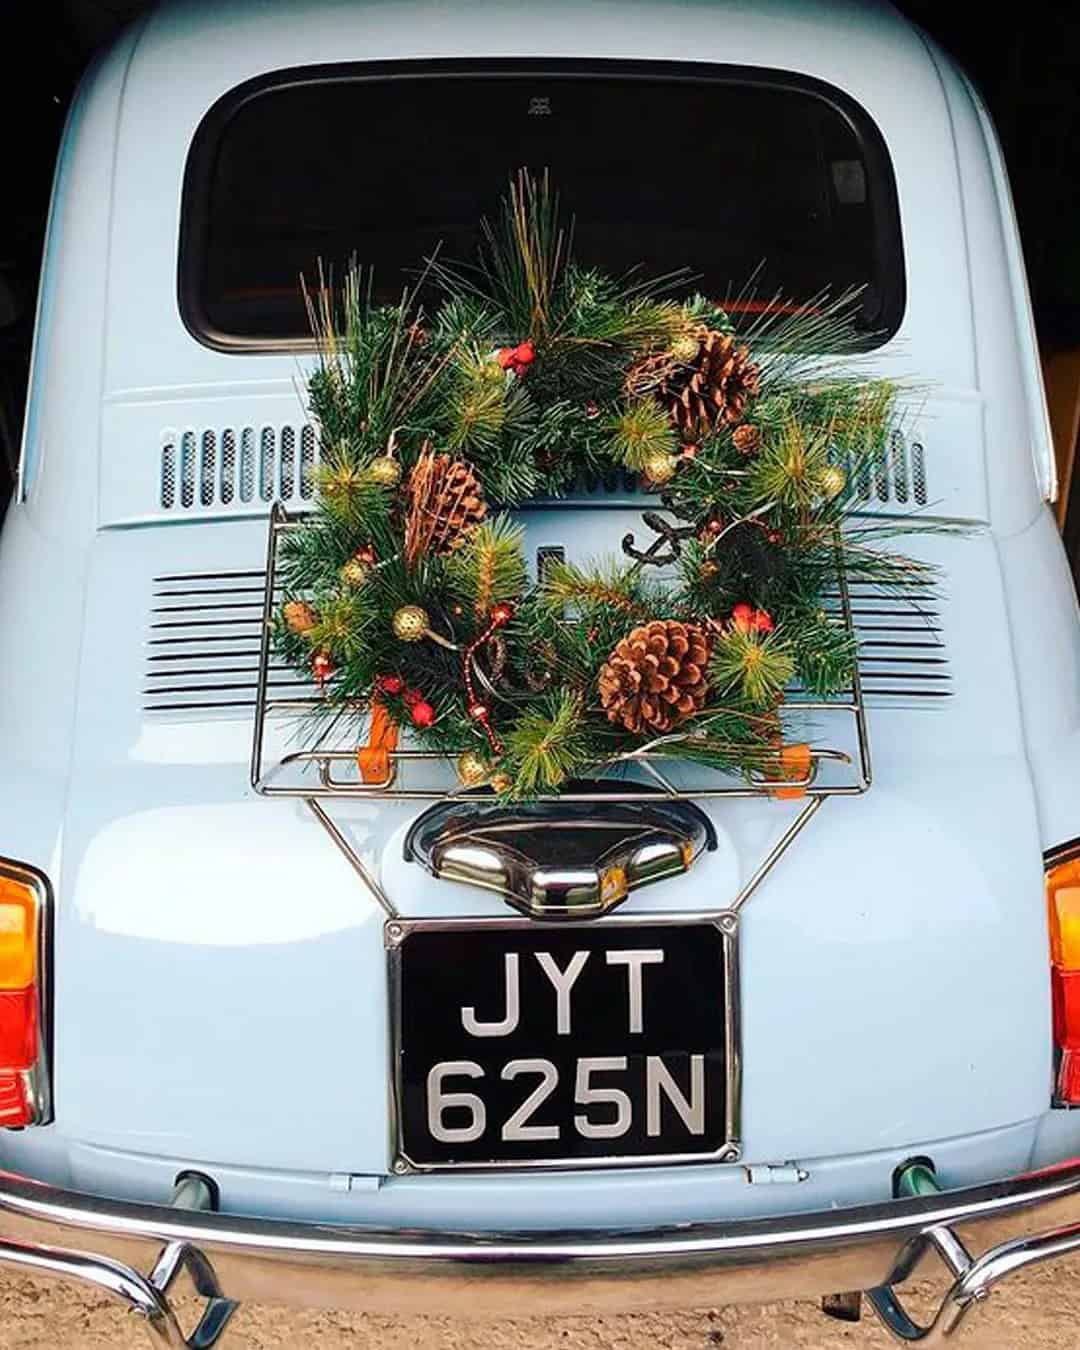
309	775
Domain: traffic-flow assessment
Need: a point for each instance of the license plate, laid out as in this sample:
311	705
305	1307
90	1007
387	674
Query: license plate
520	1044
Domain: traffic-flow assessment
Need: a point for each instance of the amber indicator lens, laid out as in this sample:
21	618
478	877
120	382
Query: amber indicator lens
1063	901
19	908
20	1039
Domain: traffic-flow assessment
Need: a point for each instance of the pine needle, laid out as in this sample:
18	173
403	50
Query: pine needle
606	586
490	565
756	667
639	433
548	745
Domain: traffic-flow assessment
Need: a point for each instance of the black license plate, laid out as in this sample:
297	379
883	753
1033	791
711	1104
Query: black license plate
516	1043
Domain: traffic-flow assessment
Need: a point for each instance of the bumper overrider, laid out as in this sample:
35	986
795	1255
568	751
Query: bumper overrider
1014	1223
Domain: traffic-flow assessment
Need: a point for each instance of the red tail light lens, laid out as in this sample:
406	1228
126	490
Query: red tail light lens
24	1077
1063	902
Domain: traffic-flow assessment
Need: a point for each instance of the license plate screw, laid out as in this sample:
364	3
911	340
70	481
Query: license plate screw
401	1166
395	932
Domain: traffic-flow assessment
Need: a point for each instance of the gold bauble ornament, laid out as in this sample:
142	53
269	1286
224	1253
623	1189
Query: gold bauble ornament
385	470
410	623
355	572
659	468
472	769
686	347
833	481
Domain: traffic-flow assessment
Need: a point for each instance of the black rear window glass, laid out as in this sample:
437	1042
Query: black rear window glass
731	175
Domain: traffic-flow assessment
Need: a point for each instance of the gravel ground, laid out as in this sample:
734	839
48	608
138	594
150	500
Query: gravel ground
1037	1311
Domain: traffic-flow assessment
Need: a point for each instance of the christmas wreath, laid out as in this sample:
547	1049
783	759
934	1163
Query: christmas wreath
406	593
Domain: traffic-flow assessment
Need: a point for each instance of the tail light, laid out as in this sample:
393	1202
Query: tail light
1063	900
24	1004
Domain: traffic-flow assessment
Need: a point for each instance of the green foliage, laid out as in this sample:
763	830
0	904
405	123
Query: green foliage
639	432
825	652
375	375
766	522
341	626
548	745
606	586
791	468
490	566
755	667
477	405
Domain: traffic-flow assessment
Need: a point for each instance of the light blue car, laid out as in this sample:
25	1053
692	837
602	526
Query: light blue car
213	953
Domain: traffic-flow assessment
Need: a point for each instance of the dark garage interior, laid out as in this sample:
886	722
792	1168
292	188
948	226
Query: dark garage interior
1029	76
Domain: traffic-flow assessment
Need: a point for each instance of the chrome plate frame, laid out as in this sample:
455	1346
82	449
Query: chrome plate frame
397	930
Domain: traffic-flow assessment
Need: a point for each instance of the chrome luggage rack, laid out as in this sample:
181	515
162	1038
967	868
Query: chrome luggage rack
326	770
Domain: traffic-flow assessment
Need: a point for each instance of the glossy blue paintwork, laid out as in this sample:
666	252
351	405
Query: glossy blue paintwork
220	973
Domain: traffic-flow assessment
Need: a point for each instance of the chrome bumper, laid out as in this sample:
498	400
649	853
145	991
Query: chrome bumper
1013	1224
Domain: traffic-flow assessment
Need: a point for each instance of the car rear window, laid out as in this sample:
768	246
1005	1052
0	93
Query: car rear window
743	178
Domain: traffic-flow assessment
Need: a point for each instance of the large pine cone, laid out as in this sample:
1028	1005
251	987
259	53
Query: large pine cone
446	503
712	387
655	677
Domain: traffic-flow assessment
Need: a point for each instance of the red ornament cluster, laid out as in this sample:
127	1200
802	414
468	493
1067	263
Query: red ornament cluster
747	619
517	359
420	710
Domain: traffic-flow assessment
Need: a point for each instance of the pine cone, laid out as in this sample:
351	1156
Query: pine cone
299	617
446	503
655	677
712	387
747	439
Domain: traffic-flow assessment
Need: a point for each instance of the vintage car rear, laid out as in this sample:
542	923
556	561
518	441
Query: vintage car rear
211	994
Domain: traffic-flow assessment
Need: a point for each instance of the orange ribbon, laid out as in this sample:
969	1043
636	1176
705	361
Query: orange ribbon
373	759
796	761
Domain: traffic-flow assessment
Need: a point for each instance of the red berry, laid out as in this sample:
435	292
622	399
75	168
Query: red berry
524	354
412	697
742	616
422	714
505	357
322	666
501	613
763	621
390	684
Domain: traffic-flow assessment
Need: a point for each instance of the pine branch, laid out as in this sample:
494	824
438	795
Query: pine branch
607	586
755	667
548	745
641	432
824	650
490	566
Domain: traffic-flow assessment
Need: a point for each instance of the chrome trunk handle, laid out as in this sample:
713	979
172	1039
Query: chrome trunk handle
557	859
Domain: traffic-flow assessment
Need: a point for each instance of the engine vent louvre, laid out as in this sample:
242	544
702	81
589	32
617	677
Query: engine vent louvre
895	475
212	468
209	469
202	648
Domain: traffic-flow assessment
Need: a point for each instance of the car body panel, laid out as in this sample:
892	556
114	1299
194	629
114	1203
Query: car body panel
220	970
